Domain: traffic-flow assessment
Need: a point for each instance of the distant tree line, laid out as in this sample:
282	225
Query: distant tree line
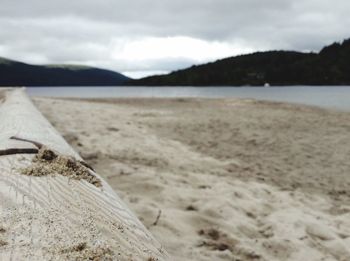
331	66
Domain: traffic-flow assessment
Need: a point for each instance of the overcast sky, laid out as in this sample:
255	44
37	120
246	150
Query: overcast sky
142	37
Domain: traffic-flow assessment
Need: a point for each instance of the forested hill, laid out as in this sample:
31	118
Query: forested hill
14	73
331	66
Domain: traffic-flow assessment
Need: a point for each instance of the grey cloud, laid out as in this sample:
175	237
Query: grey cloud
200	18
82	31
166	64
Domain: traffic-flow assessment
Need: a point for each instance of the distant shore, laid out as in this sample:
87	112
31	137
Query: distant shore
221	178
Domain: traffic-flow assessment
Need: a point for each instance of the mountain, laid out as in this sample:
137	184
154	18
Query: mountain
331	66
13	73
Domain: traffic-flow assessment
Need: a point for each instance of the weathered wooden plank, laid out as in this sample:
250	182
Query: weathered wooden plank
53	216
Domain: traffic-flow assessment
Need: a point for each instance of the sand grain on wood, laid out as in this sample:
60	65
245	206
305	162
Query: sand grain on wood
47	162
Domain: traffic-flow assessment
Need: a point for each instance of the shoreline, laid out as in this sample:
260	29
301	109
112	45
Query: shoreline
332	97
221	178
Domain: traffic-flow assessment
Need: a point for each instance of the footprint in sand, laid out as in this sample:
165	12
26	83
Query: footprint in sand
2	241
215	240
328	240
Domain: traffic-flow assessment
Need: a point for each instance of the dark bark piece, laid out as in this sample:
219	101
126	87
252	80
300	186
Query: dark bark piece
14	151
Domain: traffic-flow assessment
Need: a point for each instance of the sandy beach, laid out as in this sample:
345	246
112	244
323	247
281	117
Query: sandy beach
221	179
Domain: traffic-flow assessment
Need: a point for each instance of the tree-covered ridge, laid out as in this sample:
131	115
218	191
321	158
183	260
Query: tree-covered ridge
331	66
14	73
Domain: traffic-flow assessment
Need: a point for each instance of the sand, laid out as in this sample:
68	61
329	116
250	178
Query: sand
46	162
221	179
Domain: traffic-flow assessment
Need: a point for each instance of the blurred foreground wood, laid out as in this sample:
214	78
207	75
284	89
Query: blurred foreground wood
53	207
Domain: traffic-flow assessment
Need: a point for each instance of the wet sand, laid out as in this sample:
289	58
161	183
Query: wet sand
221	179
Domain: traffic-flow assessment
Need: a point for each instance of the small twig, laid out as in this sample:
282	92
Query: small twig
157	219
18	151
86	165
35	143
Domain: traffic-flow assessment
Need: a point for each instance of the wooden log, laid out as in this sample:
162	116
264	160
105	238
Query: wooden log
53	207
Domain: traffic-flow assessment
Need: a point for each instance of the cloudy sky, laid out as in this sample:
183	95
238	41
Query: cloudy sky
142	37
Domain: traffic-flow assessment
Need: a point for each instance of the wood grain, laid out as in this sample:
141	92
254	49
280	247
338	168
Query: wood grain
54	217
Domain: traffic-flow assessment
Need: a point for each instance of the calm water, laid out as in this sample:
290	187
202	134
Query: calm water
329	97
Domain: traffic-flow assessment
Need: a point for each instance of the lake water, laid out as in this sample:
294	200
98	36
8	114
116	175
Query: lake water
336	97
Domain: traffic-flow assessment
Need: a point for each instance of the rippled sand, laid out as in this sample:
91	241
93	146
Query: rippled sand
221	179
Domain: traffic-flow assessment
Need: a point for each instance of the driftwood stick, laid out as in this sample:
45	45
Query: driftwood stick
18	151
35	143
59	217
157	219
